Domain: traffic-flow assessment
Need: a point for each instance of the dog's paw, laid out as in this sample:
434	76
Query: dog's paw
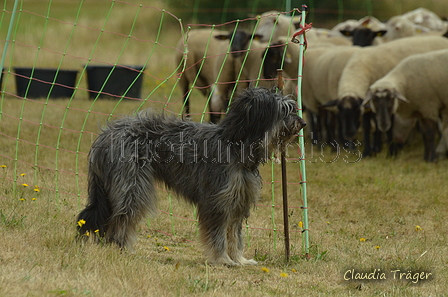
244	261
225	260
276	160
249	262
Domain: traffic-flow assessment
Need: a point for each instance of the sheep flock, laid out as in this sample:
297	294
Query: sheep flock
368	79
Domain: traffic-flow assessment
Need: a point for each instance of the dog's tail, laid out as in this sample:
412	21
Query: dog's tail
93	219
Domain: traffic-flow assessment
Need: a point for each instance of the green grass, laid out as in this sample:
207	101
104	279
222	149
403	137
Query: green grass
378	213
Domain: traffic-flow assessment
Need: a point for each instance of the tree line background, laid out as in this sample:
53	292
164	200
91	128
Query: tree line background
322	12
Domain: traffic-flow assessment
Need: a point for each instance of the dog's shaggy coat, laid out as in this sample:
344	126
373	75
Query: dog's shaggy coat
212	166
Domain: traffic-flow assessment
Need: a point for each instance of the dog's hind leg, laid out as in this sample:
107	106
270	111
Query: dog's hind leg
236	245
93	218
132	199
121	230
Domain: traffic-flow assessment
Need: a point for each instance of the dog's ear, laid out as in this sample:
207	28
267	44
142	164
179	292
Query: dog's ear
253	113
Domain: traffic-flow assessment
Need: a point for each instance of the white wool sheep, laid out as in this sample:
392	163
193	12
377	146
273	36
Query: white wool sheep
416	88
366	31
425	18
323	74
273	24
418	21
364	68
205	49
236	72
371	63
323	63
399	27
326	71
347	25
202	49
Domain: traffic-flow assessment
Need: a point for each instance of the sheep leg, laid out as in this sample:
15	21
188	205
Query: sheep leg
429	130
313	120
184	86
216	105
442	148
393	146
377	137
366	127
330	126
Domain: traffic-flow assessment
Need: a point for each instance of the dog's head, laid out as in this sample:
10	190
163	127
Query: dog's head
258	112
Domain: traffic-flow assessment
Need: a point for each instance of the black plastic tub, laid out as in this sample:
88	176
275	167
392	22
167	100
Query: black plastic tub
41	85
114	82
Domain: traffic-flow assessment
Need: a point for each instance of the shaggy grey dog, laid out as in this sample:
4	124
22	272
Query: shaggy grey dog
214	167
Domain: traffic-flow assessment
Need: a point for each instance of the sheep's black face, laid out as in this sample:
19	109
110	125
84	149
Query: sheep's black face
365	36
383	105
349	114
273	60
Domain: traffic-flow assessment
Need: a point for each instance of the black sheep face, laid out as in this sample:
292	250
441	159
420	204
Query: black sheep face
349	114
383	105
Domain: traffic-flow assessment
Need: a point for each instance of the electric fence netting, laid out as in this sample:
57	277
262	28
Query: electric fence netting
69	69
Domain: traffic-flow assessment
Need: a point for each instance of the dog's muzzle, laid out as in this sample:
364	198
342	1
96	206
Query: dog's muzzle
291	129
298	125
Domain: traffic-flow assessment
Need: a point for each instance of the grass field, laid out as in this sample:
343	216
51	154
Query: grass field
376	217
375	214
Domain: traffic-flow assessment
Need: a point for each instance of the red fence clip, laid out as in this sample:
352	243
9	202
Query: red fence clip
303	30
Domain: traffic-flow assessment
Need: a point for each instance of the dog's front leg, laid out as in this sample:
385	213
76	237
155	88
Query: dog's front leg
213	231
235	243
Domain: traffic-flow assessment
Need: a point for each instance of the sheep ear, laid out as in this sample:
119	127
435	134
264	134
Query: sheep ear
366	23
347	33
296	20
380	33
331	105
258	36
221	37
368	98
367	102
288	58
401	97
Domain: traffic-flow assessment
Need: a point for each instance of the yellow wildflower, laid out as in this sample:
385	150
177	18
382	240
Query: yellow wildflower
377	247
265	269
301	224
36	189
22	174
362	239
25	185
87	233
34	199
97	230
166	248
293	270
22	199
3	166
418	228
81	222
283	274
